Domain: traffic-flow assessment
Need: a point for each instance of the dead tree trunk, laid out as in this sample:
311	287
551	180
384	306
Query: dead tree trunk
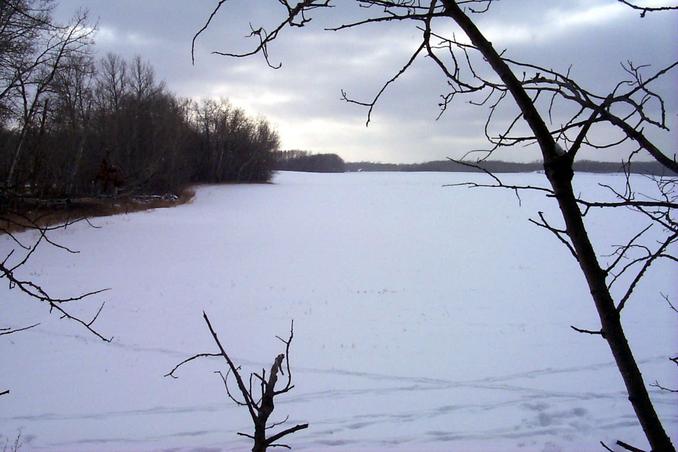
9	181
558	168
75	167
260	410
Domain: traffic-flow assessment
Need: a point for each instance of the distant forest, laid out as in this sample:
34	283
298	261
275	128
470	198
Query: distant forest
331	163
73	126
650	168
306	161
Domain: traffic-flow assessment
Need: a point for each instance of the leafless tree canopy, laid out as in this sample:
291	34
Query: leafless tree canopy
631	110
71	126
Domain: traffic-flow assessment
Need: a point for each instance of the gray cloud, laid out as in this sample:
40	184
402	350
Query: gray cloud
303	98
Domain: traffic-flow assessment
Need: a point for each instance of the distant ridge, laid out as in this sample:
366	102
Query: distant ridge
588	166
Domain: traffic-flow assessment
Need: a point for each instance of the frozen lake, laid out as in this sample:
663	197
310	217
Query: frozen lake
426	318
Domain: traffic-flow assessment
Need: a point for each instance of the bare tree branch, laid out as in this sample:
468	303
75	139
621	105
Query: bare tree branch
187	360
645	9
666	298
623	445
560	234
663	388
6	331
657	254
204	27
595	333
374	101
606	447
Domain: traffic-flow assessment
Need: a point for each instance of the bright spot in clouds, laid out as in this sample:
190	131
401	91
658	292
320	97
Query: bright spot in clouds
563	20
253	99
557	24
112	38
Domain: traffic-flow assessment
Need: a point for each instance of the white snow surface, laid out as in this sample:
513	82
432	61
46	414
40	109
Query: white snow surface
426	318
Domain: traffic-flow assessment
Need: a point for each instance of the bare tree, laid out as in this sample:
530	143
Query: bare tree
34	71
629	108
21	24
112	84
260	408
73	106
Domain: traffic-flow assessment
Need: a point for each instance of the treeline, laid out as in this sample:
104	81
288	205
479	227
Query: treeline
295	160
651	168
306	161
74	126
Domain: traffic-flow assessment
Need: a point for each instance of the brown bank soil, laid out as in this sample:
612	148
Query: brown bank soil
40	213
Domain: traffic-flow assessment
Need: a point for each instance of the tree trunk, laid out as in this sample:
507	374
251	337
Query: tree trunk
75	167
40	187
259	439
9	182
559	173
610	319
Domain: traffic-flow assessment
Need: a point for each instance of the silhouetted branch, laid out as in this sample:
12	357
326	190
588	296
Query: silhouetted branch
606	447
204	27
6	331
648	261
560	234
228	389
663	388
295	17
647	9
666	298
249	401
38	293
498	182
623	445
621	251
278	424
374	101
595	333
284	433
187	360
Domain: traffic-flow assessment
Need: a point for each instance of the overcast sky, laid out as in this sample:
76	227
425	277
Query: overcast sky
303	98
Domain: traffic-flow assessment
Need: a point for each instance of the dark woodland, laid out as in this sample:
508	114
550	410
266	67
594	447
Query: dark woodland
72	126
309	162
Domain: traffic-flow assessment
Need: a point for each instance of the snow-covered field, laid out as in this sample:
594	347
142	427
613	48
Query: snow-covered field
426	319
